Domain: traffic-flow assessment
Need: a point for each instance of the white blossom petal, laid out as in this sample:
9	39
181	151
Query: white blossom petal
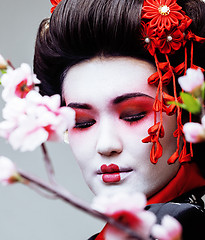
192	80
32	120
7	170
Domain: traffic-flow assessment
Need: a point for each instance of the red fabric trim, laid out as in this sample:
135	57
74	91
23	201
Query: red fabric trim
100	236
187	178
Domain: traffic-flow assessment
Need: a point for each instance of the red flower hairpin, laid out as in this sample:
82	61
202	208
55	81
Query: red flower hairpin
55	4
163	13
163	26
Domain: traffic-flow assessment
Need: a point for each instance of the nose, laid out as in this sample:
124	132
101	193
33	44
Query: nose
109	142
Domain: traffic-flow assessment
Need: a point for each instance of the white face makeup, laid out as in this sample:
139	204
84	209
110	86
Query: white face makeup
113	104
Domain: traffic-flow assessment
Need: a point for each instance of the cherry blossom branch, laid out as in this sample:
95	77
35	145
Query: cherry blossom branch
48	165
39	191
66	196
10	64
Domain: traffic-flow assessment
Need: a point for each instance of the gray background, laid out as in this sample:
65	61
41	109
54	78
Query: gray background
23	213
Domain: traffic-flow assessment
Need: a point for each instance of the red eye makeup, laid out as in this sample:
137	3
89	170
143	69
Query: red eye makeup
134	109
83	119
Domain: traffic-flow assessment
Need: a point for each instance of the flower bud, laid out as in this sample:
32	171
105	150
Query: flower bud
194	132
192	81
8	171
3	63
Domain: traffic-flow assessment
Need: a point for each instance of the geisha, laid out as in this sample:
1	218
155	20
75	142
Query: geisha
115	63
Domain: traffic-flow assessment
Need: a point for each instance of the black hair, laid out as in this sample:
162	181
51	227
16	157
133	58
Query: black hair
79	30
82	29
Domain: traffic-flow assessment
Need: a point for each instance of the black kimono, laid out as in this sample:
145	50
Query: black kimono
188	209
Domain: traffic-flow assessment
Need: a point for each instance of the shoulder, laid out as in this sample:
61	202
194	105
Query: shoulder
191	217
188	210
181	211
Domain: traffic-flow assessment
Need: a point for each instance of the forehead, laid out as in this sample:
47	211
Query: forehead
107	78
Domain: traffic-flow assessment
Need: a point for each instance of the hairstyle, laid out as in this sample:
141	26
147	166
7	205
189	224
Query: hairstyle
79	30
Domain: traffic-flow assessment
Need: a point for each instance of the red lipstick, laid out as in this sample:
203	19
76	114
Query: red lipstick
111	173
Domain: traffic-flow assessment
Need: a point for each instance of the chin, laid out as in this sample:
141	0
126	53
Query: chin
110	189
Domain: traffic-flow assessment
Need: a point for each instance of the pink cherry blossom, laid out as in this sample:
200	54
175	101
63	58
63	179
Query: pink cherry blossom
3	63
194	132
141	223
8	171
129	208
35	119
18	82
170	229
192	81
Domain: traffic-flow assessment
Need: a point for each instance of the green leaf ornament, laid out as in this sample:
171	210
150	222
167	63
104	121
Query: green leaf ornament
190	103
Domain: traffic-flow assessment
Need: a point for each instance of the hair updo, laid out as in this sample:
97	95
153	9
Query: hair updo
80	30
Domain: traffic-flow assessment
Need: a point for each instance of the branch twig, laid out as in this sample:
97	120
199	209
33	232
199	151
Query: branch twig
48	165
10	64
64	195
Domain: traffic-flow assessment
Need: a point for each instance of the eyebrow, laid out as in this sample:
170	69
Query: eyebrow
117	100
127	96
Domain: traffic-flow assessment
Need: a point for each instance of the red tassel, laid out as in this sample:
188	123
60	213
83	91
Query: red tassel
184	157
156	152
157	105
156	128
180	69
193	37
174	157
153	79
196	67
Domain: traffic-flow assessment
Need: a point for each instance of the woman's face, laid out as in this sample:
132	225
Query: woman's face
113	105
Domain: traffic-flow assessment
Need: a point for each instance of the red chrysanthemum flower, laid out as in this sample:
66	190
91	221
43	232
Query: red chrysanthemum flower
149	37
170	42
163	13
55	4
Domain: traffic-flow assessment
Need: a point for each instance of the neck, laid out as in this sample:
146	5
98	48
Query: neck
187	178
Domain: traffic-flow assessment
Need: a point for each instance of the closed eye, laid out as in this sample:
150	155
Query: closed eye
133	117
85	124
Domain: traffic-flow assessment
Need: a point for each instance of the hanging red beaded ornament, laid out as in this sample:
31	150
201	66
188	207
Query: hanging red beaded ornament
165	29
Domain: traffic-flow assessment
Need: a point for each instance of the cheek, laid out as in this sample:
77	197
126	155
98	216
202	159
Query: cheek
132	135
170	124
169	142
82	144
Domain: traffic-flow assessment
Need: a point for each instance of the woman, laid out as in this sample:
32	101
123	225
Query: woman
92	53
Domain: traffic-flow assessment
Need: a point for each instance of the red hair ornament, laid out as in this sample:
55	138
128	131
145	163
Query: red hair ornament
165	29
55	4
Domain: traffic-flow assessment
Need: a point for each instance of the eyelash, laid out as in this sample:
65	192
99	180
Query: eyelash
134	118
82	125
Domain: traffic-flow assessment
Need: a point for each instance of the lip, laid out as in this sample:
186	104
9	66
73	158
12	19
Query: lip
112	173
